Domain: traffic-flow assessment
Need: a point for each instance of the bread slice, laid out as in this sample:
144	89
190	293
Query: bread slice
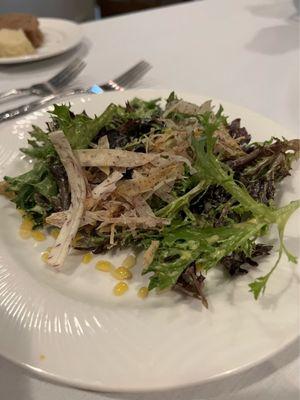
27	22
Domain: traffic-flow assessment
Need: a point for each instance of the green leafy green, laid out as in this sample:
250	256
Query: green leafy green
217	209
282	216
171	210
181	246
80	129
211	170
172	97
34	191
40	145
141	109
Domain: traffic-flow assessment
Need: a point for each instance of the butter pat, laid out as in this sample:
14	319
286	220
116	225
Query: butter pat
14	43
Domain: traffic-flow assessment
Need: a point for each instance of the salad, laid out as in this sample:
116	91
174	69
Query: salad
179	182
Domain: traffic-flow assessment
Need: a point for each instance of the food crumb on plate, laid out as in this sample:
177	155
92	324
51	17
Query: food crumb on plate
54	233
87	258
143	292
45	254
104	266
129	261
25	230
121	273
38	236
120	288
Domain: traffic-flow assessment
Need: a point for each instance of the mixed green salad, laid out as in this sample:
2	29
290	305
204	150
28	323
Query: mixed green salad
178	181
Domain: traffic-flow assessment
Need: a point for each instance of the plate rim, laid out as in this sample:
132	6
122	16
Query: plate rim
98	388
48	376
39	57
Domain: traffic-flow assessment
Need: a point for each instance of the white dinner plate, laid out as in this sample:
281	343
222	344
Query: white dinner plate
70	328
60	35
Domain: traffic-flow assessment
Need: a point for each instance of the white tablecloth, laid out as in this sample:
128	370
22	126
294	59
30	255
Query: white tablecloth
242	51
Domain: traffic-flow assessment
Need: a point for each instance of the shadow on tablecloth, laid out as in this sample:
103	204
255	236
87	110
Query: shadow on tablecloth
13	382
277	39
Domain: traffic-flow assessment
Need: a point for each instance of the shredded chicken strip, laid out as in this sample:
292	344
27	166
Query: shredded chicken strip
157	177
92	217
185	107
149	253
175	141
164	192
141	207
138	174
103	143
113	158
225	144
167	158
107	186
59	218
78	193
134	222
112	235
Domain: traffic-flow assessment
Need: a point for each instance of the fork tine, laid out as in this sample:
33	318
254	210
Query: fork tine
55	80
130	79
60	79
66	68
68	78
122	79
72	75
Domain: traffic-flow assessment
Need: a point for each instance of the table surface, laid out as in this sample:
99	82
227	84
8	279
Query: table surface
242	51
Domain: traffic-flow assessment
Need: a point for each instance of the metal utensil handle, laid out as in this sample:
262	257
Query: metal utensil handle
34	105
24	109
14	93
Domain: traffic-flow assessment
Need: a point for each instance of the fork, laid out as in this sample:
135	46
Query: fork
122	82
127	79
52	86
